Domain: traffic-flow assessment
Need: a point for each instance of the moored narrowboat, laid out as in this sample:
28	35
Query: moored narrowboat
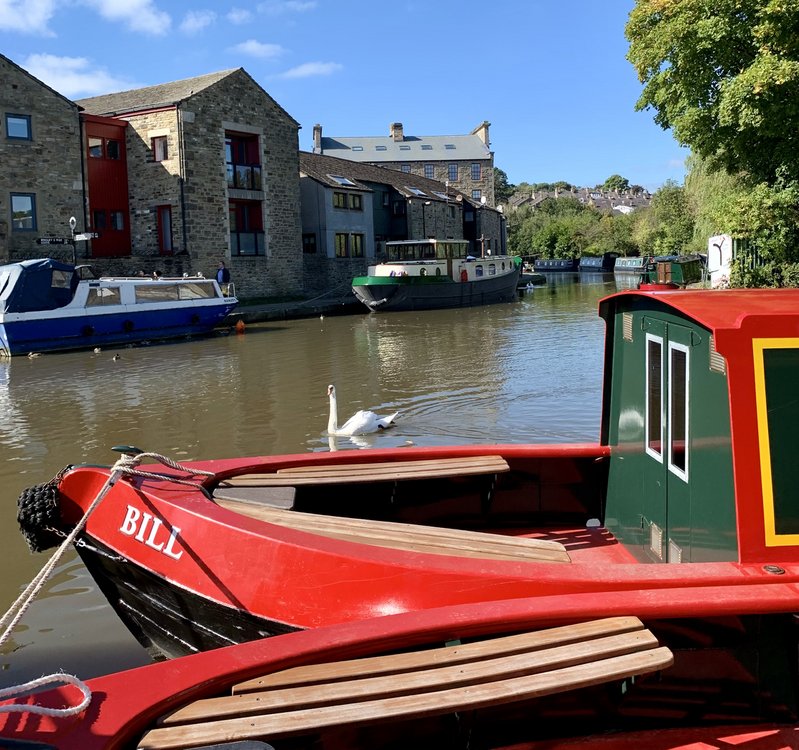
547	265
679	270
632	264
604	263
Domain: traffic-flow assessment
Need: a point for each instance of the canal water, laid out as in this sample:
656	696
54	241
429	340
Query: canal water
527	371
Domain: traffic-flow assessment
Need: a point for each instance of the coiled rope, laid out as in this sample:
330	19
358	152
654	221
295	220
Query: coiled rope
125	465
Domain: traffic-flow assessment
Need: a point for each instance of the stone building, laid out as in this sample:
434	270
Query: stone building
351	209
212	165
41	183
465	162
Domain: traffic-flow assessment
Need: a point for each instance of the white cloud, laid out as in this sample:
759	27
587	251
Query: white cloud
306	70
137	15
239	16
196	20
277	7
258	49
73	77
27	16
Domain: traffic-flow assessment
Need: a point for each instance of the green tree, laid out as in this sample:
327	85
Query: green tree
616	182
724	76
503	190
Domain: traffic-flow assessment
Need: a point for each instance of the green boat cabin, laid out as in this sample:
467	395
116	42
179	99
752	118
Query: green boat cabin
700	405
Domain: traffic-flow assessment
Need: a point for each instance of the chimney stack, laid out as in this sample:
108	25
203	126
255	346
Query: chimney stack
317	139
395	131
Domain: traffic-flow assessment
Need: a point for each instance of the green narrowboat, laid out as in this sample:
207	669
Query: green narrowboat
678	270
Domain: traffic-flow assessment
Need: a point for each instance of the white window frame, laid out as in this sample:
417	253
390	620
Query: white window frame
674	469
647	389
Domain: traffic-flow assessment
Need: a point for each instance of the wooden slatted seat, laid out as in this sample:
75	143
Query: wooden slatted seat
423	683
387	471
412	537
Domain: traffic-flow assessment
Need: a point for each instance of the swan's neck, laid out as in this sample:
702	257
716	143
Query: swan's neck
332	421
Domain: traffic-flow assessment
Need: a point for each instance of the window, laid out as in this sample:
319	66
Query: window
416	191
476	175
100	220
112	149
654	396
18	127
246	228
117	220
380	148
341	245
357	148
429	171
160	148
309	244
356	245
449	146
452	172
23	212
164	219
107	295
95	147
243	161
477	195
405	148
339	200
356	201
678	409
341	180
427	147
406	168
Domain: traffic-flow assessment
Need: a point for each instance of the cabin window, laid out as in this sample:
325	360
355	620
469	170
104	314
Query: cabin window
23	212
196	290
60	279
654	396
107	295
18	127
678	410
478	271
157	293
492	269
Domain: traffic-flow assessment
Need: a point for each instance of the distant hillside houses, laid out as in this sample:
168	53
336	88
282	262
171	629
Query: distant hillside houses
606	201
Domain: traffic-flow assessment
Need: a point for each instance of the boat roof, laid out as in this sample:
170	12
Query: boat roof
29	285
717	310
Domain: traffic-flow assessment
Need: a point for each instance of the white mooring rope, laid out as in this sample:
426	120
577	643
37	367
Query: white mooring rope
125	465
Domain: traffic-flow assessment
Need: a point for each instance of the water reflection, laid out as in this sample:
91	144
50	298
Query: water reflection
528	371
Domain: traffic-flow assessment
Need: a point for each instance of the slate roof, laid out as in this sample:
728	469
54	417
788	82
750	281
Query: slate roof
320	167
162	95
151	97
411	148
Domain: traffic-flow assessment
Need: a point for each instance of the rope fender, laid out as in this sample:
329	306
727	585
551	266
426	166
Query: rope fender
38	514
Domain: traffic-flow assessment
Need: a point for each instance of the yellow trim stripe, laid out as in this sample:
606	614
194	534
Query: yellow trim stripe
773	539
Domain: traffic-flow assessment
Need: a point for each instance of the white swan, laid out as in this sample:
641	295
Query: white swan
360	423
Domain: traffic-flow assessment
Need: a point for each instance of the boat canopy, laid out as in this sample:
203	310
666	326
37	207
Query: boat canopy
406	250
41	284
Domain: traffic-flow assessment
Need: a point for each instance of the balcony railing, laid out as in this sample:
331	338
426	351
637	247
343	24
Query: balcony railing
244	177
247	243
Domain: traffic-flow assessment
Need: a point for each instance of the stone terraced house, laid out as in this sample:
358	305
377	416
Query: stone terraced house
212	165
465	162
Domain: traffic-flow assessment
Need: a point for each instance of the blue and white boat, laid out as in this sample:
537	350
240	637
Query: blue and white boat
47	305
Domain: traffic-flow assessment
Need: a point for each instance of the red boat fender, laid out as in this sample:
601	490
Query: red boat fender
464	275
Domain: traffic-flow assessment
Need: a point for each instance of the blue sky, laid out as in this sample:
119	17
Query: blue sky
549	75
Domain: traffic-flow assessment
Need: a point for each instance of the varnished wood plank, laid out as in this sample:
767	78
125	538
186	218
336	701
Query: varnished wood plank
373	472
311	674
408	706
422	681
412	537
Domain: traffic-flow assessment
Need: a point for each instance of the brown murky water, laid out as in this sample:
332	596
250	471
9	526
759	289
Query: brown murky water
529	371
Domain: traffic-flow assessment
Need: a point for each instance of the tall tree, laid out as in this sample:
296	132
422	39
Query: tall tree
724	76
503	190
616	182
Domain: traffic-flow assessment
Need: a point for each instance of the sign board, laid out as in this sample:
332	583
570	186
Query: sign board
87	236
54	241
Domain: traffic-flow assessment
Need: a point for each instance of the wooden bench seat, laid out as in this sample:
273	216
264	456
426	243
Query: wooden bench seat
314	698
386	471
405	536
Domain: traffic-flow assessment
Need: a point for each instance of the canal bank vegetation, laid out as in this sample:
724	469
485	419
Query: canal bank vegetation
723	77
